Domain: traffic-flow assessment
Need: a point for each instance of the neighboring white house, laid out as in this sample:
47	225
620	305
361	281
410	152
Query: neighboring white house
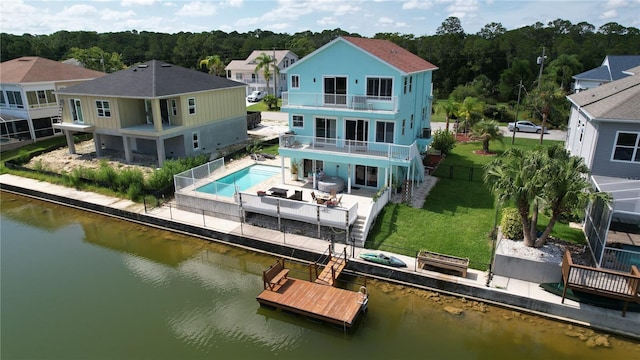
28	105
245	71
604	129
612	69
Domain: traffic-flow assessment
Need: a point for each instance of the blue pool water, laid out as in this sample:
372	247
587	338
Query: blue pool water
243	179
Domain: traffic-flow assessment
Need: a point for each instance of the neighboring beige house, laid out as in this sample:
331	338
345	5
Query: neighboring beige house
245	71
156	108
28	105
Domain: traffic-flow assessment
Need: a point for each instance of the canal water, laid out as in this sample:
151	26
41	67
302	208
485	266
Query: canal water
76	285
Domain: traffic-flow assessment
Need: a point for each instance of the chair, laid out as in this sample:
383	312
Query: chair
313	197
339	202
333	193
298	195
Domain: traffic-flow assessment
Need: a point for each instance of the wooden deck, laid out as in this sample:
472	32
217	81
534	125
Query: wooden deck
326	303
331	271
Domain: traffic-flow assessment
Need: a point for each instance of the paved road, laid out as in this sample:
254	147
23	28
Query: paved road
558	135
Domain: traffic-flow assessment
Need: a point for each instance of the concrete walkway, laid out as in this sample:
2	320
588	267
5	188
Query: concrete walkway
501	291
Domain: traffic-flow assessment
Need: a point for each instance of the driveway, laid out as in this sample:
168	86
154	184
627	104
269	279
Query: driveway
557	135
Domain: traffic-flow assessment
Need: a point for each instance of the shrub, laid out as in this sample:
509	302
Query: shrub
511	224
271	101
443	140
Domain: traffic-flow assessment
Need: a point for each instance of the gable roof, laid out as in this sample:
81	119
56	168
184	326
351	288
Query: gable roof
384	50
32	69
151	79
250	62
613	68
392	54
617	100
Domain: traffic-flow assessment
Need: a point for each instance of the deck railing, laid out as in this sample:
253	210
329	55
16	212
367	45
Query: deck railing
355	147
341	101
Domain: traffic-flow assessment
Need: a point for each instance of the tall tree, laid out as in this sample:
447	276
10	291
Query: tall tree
563	68
449	107
97	59
214	64
469	108
266	63
543	99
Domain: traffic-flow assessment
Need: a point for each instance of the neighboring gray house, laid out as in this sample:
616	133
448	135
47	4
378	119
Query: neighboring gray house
613	68
604	129
156	108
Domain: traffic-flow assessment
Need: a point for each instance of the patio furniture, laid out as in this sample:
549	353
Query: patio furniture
275	191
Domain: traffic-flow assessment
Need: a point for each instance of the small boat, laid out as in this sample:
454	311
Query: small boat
383	259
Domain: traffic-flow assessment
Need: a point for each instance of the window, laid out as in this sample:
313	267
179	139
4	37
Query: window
379	88
403	125
292	61
3	102
295	81
286	62
76	111
366	175
405	85
297	121
238	76
15	99
411	125
627	147
228	74
174	107
195	137
384	131
192	105
410	83
103	108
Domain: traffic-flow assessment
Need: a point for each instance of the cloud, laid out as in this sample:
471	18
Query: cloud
417	4
197	8
116	15
609	14
463	8
327	20
127	3
78	10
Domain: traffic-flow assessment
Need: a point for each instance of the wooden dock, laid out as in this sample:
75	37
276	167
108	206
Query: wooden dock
319	300
326	303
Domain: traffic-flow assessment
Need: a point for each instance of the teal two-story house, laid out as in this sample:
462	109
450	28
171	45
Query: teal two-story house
360	110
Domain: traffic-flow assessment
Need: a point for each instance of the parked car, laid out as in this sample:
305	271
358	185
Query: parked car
256	96
525	126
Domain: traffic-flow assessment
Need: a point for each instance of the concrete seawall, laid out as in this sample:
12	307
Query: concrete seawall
505	292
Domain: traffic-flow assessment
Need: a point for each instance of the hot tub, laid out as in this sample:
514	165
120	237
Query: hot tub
329	183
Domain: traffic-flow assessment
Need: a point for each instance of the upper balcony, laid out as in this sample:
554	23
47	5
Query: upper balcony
340	101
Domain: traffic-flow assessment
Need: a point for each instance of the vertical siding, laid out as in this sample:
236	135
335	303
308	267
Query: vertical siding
131	112
602	164
213	106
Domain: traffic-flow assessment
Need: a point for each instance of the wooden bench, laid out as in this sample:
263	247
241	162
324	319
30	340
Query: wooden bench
441	261
275	276
608	283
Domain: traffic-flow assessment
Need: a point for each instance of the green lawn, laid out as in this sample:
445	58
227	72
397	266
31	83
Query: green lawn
458	215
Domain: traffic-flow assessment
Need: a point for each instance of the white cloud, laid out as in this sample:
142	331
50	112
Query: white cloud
197	8
79	10
116	15
417	4
327	20
609	14
235	3
463	8
137	2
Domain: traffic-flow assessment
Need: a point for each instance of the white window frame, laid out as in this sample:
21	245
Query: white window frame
174	107
195	140
376	94
384	133
16	96
635	153
295	81
192	107
297	123
101	109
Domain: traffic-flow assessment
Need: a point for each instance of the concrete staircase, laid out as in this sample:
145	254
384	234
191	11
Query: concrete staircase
357	231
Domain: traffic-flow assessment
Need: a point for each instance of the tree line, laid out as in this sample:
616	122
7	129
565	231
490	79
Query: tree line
490	63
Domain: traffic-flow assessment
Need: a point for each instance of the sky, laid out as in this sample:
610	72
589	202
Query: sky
364	17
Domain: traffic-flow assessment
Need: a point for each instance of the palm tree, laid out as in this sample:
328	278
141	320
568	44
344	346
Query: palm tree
265	63
486	131
514	177
543	99
449	107
214	65
468	108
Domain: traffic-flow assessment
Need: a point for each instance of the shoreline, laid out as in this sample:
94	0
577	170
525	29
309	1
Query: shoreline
503	292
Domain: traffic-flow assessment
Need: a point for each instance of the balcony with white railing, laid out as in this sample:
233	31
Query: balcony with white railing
340	101
386	151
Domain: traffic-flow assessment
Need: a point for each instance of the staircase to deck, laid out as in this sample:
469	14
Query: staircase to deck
333	269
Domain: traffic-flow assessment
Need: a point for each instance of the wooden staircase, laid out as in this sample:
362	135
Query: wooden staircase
333	269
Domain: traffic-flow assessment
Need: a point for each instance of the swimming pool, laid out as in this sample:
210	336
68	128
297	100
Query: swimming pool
242	179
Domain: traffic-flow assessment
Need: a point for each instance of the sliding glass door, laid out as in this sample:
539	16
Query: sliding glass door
335	90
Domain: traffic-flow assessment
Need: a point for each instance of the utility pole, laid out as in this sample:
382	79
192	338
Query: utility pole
275	74
540	61
513	136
